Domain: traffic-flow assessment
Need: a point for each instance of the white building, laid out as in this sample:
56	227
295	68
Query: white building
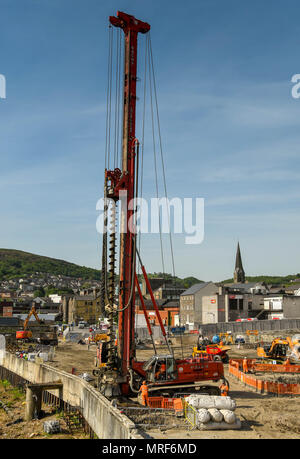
275	307
55	298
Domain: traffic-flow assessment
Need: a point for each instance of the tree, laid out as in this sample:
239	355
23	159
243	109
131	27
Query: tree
39	292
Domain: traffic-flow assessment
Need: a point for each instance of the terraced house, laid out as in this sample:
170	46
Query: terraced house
85	307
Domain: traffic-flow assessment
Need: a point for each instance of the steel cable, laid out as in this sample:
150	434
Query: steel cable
155	161
163	173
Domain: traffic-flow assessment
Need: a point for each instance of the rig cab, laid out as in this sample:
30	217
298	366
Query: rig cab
161	368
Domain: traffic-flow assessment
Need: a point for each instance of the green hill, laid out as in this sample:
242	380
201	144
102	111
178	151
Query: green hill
18	264
275	280
15	263
186	282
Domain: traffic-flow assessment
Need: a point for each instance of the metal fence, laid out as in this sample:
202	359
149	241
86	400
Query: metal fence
190	414
152	418
242	327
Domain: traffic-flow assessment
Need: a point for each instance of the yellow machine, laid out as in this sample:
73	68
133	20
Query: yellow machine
294	354
252	332
217	351
98	337
278	350
227	337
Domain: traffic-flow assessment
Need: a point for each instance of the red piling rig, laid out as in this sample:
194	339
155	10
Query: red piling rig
126	182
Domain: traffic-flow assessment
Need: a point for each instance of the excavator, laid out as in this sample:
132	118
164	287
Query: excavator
27	334
281	349
122	373
47	336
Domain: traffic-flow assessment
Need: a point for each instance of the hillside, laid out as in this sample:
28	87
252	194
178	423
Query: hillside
15	263
18	264
275	280
186	282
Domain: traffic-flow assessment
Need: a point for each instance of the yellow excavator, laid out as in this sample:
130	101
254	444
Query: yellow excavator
226	338
281	349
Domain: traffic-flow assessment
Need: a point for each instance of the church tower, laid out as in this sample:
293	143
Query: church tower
239	273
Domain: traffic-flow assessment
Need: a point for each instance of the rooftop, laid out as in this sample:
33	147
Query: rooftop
195	288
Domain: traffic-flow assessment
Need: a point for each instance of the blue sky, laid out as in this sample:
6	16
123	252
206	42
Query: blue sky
230	128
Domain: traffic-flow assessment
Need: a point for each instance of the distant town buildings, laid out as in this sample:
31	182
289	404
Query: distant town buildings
202	303
211	302
83	307
168	310
162	289
197	304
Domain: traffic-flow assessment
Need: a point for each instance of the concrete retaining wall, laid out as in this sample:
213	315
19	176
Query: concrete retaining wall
105	420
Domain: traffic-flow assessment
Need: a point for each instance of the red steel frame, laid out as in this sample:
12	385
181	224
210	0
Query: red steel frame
126	182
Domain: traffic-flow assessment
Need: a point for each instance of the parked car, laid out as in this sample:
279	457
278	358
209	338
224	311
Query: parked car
81	324
239	340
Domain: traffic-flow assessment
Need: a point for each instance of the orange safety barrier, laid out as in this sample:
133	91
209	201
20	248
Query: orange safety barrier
259	385
168	403
178	407
155	402
265	386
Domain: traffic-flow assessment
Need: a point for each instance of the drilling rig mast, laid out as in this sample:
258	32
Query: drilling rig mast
124	181
122	374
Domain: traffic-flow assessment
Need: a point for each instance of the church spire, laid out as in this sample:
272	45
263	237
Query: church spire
239	273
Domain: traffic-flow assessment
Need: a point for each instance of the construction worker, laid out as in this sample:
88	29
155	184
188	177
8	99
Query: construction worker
245	365
161	373
224	388
145	395
200	345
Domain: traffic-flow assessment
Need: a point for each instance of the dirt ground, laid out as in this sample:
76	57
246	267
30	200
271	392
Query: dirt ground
13	426
72	356
262	416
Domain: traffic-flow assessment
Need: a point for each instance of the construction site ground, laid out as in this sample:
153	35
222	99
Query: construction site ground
262	416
